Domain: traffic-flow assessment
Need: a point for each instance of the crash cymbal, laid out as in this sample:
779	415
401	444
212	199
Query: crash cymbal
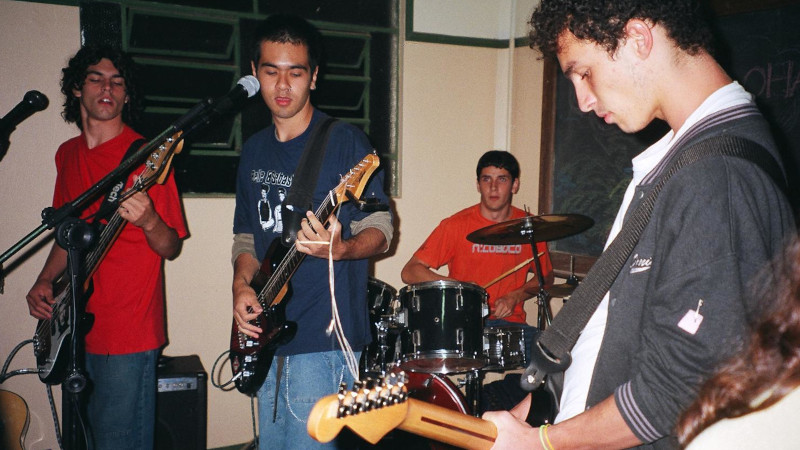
548	227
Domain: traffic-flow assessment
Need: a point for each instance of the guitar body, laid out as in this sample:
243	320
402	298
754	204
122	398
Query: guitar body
14	420
52	341
250	357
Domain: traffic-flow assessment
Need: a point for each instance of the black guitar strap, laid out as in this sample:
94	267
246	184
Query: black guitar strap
304	180
111	200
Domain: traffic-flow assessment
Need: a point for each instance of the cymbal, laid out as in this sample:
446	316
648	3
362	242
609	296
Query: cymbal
562	290
548	227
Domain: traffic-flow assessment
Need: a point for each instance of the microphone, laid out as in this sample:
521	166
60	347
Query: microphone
202	113
32	102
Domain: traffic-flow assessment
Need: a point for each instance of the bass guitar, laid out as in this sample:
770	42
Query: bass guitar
52	340
251	357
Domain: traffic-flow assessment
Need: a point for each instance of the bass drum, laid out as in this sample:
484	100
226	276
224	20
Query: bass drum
430	388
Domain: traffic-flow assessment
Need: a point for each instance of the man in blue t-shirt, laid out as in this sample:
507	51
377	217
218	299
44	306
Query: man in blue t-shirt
285	60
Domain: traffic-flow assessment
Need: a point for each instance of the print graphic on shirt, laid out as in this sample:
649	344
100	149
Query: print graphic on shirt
271	177
277	216
277	184
265	210
641	264
502	249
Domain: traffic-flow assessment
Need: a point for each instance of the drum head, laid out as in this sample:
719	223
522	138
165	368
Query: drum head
443	285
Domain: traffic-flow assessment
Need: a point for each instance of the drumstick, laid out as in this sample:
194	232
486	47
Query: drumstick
518	266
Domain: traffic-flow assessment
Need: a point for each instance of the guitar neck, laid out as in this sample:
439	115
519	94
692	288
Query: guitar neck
411	415
448	426
271	292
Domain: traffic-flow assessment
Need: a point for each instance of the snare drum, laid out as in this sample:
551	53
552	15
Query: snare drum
504	347
444	322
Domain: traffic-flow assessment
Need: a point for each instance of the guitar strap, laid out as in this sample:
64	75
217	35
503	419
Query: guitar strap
304	180
551	352
111	200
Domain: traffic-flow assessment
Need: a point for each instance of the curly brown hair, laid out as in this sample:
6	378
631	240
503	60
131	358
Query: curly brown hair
768	367
603	22
74	76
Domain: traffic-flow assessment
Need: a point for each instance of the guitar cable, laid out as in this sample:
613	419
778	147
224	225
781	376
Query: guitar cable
226	386
3	373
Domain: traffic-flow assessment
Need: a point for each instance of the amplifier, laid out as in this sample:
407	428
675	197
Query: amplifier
181	404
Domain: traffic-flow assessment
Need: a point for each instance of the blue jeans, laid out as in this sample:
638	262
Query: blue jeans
122	400
530	332
305	379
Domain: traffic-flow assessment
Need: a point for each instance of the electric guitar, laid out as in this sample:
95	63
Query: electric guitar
250	357
373	409
52	340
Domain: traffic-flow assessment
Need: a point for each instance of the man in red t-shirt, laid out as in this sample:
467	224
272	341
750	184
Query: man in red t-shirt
127	301
498	181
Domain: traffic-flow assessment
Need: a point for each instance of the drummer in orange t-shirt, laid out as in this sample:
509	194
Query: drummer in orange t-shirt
498	181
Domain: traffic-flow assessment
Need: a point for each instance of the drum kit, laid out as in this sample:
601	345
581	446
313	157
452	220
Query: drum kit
436	328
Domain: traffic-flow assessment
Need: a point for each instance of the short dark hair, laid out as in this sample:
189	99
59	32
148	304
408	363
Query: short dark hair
603	22
74	76
500	159
288	29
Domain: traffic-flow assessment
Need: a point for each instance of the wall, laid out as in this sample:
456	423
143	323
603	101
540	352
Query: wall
30	61
448	121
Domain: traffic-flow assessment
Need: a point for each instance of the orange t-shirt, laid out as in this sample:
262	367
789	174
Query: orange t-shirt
481	263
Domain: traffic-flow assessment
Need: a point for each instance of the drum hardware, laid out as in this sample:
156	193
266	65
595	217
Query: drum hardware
504	348
530	230
473	387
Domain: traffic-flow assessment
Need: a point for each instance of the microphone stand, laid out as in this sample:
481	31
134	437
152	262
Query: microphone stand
76	236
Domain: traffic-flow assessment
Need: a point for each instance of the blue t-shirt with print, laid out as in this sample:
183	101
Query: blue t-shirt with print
264	178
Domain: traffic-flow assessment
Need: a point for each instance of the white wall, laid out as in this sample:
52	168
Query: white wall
448	120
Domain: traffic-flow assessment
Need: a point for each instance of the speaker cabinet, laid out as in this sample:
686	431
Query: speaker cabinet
181	404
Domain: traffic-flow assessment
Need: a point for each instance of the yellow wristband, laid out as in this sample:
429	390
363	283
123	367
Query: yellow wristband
547	438
541	436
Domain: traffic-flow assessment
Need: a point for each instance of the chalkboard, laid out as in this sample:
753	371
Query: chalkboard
586	164
761	50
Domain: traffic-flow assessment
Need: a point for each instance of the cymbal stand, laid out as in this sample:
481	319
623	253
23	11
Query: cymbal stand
544	315
571	279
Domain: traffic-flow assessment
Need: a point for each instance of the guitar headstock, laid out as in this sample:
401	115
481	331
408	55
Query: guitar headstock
156	166
372	408
356	179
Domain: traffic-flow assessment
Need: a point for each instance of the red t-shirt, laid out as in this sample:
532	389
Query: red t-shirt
128	296
481	263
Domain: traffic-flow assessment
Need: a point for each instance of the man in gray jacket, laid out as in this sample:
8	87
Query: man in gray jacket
680	303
